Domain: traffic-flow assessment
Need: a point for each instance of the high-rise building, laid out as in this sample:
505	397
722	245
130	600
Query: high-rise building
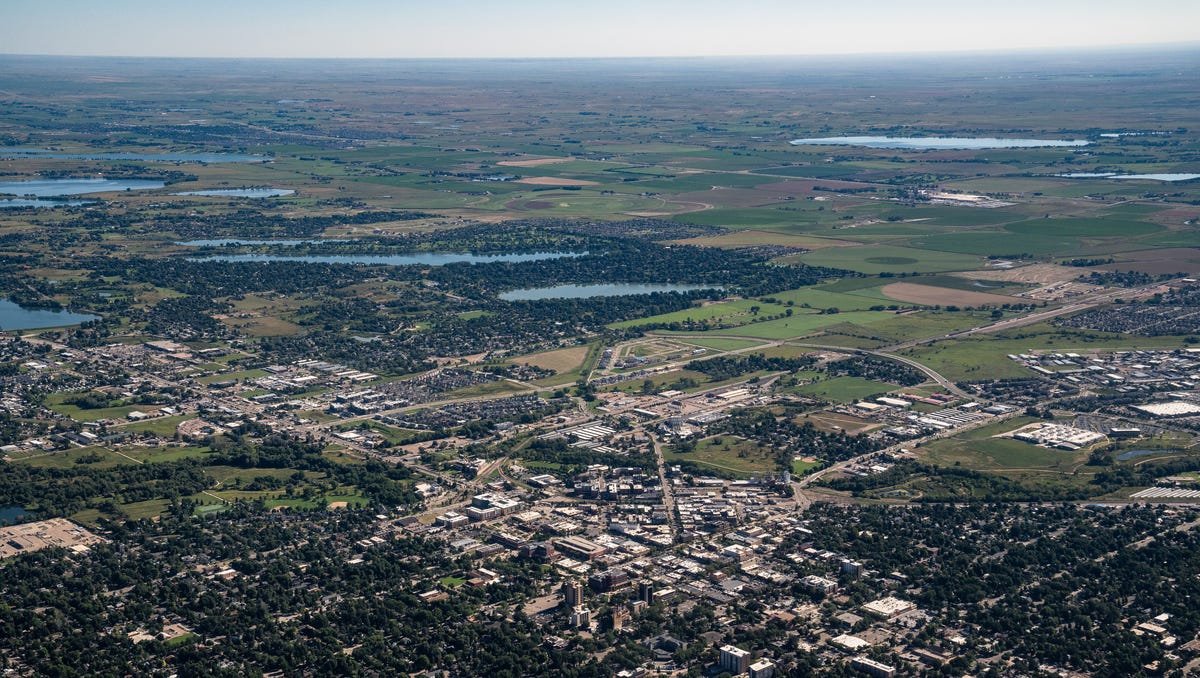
646	592
573	593
735	660
581	617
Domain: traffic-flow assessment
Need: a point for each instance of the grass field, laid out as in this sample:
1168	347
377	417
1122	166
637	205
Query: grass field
729	454
845	389
561	360
719	344
981	450
160	426
57	403
802	325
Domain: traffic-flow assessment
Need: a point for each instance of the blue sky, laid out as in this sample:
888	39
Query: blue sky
574	28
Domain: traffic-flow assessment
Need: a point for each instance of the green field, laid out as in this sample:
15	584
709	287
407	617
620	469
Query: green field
845	389
729	454
802	325
876	259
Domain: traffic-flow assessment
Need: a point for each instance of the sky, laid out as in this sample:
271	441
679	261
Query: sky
581	28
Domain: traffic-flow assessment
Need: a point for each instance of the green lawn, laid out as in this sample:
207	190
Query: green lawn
800	467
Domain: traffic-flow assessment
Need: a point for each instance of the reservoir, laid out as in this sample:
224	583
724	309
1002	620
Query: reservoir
50	188
599	290
205	158
411	259
38	202
936	143
241	192
1167	176
14	317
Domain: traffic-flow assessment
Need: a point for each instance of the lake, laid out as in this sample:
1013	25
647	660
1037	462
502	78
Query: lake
600	290
51	188
1166	176
411	259
205	158
38	202
10	515
14	317
930	143
241	192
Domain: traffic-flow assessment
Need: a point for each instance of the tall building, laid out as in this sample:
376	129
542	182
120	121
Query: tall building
573	593
581	617
852	569
735	660
646	592
619	615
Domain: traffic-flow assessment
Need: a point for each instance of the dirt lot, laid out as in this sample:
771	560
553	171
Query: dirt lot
944	296
562	360
1036	273
533	162
556	181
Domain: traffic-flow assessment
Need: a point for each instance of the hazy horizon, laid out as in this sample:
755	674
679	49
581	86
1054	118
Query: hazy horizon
542	29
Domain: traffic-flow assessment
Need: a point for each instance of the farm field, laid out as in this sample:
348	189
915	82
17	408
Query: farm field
876	259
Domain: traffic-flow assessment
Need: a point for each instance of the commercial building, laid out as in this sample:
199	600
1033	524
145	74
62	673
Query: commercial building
872	667
888	607
1058	435
817	584
580	548
1173	408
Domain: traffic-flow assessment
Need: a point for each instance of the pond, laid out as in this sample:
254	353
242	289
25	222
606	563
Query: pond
12	514
50	188
1133	454
206	158
599	290
15	317
942	143
39	202
411	259
241	192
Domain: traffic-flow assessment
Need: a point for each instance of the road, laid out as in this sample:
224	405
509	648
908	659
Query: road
668	496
